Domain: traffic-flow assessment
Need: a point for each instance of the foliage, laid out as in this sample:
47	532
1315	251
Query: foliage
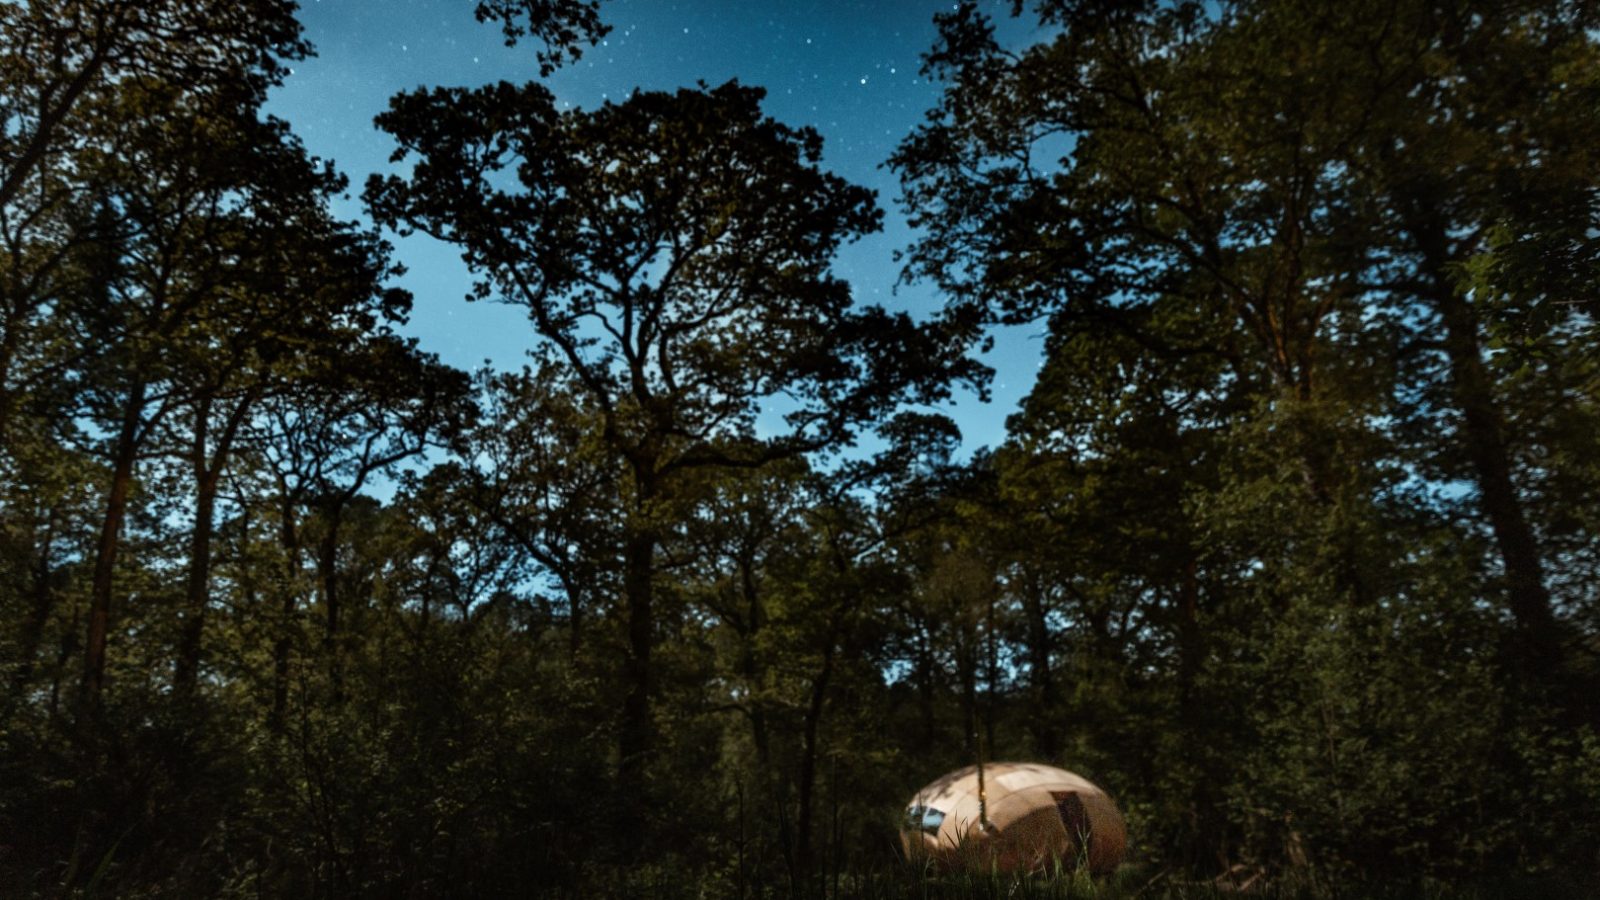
1290	546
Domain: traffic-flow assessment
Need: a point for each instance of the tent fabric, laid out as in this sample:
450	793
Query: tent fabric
1038	816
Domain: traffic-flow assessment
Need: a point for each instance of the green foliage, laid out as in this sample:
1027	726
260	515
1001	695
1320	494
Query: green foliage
1290	547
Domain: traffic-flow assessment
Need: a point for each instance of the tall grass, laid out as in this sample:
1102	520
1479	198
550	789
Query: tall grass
1134	885
1130	883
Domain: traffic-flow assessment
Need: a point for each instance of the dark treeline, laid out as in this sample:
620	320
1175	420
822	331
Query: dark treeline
1292	547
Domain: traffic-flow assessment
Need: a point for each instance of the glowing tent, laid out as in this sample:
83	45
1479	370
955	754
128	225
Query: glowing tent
1013	817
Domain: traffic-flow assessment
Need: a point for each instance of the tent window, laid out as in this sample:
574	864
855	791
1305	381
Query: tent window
925	819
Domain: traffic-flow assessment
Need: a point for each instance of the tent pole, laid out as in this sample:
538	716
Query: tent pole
983	796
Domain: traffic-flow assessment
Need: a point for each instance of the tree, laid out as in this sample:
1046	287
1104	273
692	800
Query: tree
1321	200
308	299
1480	165
219	273
63	66
361	410
562	26
1290	262
62	58
673	250
533	466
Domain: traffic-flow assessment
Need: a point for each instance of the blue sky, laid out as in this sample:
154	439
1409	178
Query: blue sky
849	69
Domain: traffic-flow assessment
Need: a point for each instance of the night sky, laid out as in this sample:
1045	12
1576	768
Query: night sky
849	69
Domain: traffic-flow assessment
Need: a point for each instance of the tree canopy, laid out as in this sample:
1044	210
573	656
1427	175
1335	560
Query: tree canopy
1290	545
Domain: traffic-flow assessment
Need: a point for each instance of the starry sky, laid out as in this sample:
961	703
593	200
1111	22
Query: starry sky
849	68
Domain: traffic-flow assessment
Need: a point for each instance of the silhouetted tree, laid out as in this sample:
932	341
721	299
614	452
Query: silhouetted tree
673	249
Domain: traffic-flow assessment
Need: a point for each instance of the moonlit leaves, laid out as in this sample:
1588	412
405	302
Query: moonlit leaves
674	249
562	27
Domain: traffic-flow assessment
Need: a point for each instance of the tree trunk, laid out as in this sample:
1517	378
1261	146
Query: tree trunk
992	676
65	651
1190	650
186	666
42	593
808	758
197	591
967	672
207	473
1045	735
925	684
105	559
638	728
1484	432
574	614
328	575
1491	462
289	539
7	353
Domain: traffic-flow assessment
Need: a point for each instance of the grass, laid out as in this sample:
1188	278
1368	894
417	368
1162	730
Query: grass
1133	884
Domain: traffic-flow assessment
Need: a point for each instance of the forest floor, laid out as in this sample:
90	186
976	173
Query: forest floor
1132	884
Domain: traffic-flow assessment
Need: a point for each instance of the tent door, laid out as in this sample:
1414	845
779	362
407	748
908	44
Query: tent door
1073	816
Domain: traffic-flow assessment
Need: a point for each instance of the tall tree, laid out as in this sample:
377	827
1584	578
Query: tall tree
1152	171
1481	166
219	277
308	297
674	251
63	64
534	466
348	419
62	58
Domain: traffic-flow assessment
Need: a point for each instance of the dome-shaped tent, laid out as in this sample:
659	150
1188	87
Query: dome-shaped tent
1036	815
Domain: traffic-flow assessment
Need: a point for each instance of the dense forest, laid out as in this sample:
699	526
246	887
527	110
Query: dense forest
1291	547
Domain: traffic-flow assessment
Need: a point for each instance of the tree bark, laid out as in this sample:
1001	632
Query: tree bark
8	344
105	559
1491	461
1190	650
926	670
289	540
574	618
197	589
808	758
1484	432
328	575
207	473
638	728
754	672
42	593
1045	735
